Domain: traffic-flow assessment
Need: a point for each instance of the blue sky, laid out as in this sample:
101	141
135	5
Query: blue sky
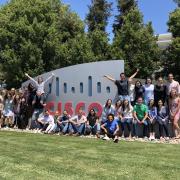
156	11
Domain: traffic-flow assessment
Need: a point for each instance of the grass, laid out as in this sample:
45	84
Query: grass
36	156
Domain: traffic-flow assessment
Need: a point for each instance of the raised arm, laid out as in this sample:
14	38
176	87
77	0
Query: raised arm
52	75
109	78
27	75
131	77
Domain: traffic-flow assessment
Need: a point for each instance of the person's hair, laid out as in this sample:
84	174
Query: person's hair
110	115
117	102
170	96
15	99
6	95
158	104
150	104
137	82
106	105
147	79
89	114
122	74
123	106
30	87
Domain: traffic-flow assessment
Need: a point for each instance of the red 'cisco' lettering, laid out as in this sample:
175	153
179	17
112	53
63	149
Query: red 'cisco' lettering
68	106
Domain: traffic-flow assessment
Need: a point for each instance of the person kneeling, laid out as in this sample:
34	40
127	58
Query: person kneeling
111	128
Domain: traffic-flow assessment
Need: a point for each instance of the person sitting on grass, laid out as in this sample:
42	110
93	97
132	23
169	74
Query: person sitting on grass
152	117
140	115
63	122
110	128
93	125
77	123
46	121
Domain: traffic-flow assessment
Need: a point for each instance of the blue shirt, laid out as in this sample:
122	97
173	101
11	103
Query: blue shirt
111	125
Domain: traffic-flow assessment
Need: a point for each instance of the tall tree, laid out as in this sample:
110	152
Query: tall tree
38	36
177	2
123	7
136	44
97	20
172	54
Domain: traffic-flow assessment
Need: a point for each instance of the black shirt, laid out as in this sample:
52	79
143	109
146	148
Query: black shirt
92	120
160	93
38	102
122	86
139	92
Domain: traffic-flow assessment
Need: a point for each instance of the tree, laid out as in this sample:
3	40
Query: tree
97	20
177	2
136	44
38	36
172	53
123	7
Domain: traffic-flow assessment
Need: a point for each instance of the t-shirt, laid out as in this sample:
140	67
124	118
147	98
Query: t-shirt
92	120
127	113
131	92
79	119
139	92
47	119
111	126
149	92
140	110
160	93
122	86
152	112
173	85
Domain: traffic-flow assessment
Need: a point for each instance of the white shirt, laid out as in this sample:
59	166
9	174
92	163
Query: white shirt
40	87
131	92
47	119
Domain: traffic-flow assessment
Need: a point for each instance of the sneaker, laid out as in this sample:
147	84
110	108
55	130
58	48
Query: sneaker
116	140
106	138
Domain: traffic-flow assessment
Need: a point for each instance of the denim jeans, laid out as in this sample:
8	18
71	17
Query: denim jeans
35	116
94	129
128	123
77	128
124	97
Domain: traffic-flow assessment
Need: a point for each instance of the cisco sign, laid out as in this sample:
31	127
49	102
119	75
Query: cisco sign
82	86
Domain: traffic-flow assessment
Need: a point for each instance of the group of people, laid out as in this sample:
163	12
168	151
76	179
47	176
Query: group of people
140	110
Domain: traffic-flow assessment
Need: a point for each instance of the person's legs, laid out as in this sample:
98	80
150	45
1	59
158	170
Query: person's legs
176	125
145	128
66	127
129	126
166	129
81	129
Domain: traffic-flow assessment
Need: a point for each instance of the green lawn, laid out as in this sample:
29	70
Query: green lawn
36	156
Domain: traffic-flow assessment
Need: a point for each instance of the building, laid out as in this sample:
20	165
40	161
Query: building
164	40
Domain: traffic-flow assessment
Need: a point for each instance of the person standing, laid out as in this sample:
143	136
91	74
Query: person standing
174	107
160	91
149	90
122	85
172	84
139	90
